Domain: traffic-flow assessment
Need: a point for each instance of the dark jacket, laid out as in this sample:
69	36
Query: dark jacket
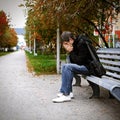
80	54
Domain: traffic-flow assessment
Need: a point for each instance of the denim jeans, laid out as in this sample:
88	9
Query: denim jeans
68	71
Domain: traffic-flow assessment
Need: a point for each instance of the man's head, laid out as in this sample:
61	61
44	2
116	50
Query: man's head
67	40
67	37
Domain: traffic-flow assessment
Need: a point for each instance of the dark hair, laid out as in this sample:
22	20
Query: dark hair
66	35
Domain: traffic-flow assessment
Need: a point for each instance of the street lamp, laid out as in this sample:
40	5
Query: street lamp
34	49
30	43
58	50
35	54
58	42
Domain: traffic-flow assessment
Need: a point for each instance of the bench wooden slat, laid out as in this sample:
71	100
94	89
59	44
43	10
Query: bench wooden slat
114	79
109	51
116	69
103	56
113	75
104	82
116	63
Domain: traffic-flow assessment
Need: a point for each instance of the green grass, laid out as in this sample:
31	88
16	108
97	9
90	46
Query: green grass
4	53
41	64
63	57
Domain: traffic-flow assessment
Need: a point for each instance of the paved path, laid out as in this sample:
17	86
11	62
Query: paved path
27	97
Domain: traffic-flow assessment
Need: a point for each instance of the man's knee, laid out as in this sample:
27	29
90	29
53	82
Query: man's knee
66	67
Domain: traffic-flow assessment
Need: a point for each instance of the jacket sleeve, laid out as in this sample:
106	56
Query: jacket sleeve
80	55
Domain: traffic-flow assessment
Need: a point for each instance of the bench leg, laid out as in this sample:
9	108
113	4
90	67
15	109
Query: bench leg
78	80
96	90
111	96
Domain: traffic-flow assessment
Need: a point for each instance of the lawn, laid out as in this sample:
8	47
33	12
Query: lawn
4	53
41	64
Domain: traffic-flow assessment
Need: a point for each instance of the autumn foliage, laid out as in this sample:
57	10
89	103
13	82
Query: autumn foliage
3	22
79	16
8	36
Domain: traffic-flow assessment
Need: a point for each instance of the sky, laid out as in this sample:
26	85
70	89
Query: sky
17	14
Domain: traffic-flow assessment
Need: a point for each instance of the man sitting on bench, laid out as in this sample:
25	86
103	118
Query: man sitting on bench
79	64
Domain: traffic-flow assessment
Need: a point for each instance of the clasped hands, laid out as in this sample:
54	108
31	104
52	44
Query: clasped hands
68	46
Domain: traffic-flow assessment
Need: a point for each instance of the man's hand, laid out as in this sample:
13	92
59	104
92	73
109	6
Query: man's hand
68	47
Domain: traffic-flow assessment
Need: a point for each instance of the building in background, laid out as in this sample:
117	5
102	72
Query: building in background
117	27
111	32
116	31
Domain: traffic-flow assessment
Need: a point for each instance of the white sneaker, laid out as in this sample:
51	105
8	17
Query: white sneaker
60	94
62	98
71	95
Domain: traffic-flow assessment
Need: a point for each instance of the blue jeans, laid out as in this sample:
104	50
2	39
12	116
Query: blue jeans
68	71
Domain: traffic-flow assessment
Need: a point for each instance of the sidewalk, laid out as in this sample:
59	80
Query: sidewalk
27	97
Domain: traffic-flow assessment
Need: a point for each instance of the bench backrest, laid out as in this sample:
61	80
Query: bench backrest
110	58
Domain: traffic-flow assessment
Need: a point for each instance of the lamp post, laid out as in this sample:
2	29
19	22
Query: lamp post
58	50
58	41
34	49
30	43
35	54
113	34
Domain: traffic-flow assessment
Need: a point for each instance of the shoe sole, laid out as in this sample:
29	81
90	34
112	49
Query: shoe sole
61	101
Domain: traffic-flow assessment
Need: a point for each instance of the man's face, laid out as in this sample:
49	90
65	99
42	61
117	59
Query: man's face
68	45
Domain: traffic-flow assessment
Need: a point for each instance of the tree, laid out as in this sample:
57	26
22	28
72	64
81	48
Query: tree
8	36
12	39
79	16
3	22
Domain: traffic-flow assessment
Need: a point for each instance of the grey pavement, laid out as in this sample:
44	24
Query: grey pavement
24	96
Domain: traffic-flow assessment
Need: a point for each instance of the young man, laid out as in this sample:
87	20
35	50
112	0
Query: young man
80	58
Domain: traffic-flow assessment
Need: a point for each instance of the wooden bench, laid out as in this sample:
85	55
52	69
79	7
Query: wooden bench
110	58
